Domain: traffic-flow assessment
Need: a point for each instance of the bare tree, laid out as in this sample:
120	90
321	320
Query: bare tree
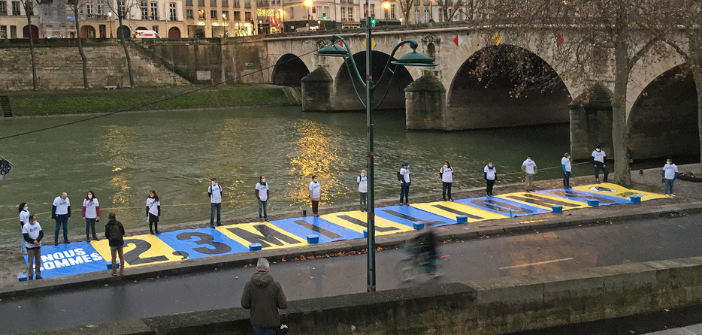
449	8
406	7
75	6
123	9
29	6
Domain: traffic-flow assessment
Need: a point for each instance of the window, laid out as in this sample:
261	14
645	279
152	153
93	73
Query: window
427	17
89	8
154	11
225	3
247	3
201	14
13	31
189	13
101	8
387	13
213	14
155	28
372	10
225	15
201	3
319	11
122	9
325	13
3	32
392	11
416	16
188	2
144	10
343	14
236	3
16	9
173	13
314	10
247	16
103	31
350	12
3	11
292	12
213	3
237	16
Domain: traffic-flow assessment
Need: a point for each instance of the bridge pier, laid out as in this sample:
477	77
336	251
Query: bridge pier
591	122
425	104
317	89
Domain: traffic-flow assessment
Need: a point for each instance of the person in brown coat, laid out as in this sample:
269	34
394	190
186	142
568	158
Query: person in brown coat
263	296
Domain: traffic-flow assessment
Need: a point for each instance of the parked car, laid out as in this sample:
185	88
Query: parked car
146	34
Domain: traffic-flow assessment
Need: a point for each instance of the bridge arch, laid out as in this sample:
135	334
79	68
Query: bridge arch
507	86
345	97
289	70
663	118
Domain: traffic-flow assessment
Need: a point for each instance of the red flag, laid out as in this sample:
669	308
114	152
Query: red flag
402	40
559	40
458	40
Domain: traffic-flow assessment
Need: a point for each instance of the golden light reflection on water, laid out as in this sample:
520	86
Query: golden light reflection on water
116	140
226	139
317	152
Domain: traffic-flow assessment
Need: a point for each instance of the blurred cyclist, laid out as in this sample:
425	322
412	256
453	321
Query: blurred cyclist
425	250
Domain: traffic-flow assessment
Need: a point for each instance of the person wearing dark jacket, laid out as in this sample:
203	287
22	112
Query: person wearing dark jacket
263	296
114	233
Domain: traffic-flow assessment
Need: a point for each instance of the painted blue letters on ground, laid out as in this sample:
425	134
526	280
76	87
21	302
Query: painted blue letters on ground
408	215
502	206
69	259
309	225
202	242
584	196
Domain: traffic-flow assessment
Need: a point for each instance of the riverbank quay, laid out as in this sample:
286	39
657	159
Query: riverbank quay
11	261
46	103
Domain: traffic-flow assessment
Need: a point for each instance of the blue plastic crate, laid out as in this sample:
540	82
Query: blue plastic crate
593	203
365	233
109	265
418	225
312	239
22	276
636	199
557	209
461	219
255	246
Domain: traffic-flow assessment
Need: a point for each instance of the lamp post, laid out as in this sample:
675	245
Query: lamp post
413	58
110	19
282	23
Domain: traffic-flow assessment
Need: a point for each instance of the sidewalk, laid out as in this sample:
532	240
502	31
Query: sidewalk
688	201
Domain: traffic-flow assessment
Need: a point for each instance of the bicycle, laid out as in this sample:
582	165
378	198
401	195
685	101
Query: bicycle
414	264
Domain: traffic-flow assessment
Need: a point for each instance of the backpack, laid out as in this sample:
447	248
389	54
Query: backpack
114	232
400	177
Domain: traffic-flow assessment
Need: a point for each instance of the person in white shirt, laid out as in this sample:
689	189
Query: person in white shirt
91	213
215	193
446	174
33	234
24	219
490	178
61	212
529	169
362	182
315	195
153	211
565	166
262	194
405	182
670	173
599	161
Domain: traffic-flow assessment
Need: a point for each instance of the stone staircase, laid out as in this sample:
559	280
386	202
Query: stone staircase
5	106
141	53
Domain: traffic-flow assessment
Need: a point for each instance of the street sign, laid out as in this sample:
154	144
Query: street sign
70	17
5	167
497	39
372	43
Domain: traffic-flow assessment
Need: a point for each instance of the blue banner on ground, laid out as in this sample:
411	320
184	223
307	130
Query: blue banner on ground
408	215
503	206
202	242
309	225
584	196
69	259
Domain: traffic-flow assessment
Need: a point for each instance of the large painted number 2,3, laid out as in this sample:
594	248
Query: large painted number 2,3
205	239
132	257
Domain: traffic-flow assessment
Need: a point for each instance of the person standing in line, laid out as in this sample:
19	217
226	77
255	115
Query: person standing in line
362	182
153	211
114	233
61	212
215	193
315	195
262	194
529	169
490	178
565	165
91	213
670	173
599	160
263	296
446	174
33	234
24	219
405	182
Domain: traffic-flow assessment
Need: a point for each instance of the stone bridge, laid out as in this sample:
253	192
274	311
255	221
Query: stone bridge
660	91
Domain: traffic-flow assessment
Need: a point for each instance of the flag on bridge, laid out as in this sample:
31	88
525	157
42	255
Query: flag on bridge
5	167
458	40
559	40
401	40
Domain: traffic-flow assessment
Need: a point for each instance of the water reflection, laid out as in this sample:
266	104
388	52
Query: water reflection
115	142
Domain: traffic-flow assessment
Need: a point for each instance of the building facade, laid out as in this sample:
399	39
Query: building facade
220	18
13	22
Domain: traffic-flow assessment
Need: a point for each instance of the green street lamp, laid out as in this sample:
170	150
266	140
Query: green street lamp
413	58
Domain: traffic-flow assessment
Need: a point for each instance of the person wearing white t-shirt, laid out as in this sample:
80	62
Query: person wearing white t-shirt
405	182
362	181
61	212
446	174
315	195
24	219
529	169
262	194
490	178
91	213
33	234
670	173
153	211
215	193
599	161
565	166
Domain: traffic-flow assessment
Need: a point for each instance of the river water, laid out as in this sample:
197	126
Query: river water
121	157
